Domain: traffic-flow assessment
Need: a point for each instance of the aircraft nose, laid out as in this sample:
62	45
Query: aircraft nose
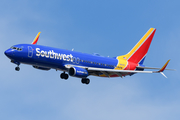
8	53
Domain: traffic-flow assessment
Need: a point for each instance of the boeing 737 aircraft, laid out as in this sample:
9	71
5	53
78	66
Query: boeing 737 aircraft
82	65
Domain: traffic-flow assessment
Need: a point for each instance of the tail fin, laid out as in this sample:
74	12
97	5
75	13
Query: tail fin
139	51
36	38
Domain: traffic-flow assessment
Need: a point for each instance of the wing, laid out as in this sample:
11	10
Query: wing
140	67
115	73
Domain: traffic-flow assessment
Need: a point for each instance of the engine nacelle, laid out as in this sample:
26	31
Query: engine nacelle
78	72
41	68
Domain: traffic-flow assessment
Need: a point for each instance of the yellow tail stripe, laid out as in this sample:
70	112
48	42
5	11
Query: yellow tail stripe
139	43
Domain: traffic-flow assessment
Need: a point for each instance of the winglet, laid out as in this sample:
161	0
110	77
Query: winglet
163	74
164	67
36	38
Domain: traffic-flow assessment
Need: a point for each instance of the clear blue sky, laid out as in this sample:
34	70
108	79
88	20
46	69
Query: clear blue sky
107	27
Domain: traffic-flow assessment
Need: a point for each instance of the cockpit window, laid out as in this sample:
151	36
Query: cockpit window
16	48
13	47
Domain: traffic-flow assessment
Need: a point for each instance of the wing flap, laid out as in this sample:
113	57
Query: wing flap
140	67
117	71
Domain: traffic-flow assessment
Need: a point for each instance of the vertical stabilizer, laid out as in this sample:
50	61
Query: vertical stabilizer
139	51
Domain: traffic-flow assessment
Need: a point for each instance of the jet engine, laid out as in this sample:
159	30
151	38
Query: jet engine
78	72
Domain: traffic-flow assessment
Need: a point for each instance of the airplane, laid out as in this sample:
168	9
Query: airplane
82	65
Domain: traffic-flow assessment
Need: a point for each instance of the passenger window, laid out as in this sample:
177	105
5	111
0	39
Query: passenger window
15	48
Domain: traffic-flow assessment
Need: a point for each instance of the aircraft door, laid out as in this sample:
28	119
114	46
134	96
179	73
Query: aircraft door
30	51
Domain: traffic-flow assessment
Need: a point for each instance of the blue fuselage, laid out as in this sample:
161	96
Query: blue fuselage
49	57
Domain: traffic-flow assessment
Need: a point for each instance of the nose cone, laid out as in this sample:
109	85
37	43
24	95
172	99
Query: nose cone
8	53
